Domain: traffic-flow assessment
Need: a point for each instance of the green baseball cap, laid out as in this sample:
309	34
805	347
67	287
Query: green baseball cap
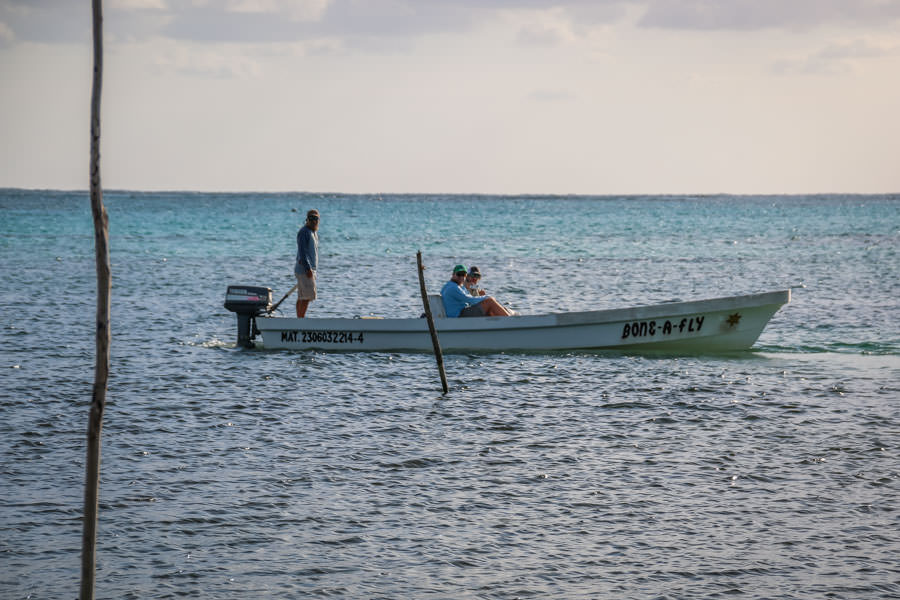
460	269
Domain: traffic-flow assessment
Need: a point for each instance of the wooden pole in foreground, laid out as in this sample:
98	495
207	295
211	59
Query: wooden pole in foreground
101	364
434	338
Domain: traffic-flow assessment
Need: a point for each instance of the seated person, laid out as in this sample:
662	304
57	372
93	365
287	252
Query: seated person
471	285
460	303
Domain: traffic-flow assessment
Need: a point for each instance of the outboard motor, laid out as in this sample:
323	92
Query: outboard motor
248	302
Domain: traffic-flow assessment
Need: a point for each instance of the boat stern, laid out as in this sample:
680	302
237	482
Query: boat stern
247	302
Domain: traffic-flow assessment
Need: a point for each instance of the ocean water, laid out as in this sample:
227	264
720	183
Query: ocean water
228	473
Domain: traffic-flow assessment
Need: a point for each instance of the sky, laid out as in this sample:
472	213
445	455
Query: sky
457	96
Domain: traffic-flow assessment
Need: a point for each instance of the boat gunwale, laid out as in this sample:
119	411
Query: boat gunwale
560	319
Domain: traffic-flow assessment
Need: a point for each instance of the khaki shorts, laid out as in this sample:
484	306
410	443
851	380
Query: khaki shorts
306	287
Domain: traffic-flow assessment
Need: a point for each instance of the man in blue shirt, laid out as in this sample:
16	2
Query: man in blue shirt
460	303
307	262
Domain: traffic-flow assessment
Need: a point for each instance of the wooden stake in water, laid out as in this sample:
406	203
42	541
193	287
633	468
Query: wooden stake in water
434	338
101	365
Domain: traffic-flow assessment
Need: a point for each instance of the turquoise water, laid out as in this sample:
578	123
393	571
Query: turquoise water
233	474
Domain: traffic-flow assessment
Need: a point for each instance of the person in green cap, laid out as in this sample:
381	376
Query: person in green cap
460	303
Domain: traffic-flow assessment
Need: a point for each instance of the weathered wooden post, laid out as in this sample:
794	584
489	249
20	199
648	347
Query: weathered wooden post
434	338
101	364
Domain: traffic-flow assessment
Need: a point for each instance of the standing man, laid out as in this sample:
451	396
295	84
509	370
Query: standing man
307	262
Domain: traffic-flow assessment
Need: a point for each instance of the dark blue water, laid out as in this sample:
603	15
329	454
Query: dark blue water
233	474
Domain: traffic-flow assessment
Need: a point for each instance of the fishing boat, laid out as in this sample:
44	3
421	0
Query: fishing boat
693	327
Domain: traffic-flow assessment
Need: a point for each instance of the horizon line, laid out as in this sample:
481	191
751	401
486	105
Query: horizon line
459	194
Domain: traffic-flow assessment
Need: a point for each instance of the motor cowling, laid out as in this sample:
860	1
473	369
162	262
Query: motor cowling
247	302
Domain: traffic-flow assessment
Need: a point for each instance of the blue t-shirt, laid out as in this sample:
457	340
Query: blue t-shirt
456	298
307	250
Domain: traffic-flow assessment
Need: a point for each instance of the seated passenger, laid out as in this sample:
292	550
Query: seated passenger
460	303
472	278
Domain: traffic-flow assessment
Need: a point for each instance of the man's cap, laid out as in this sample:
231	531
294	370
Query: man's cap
460	269
474	271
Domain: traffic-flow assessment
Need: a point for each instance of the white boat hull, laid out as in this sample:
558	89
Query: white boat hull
702	326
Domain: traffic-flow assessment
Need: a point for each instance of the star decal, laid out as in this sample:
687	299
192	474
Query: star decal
733	319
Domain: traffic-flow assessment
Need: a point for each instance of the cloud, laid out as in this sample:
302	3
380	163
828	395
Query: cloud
547	29
275	21
293	10
838	58
359	22
541	35
264	21
7	36
860	48
126	5
749	15
397	17
48	21
205	61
